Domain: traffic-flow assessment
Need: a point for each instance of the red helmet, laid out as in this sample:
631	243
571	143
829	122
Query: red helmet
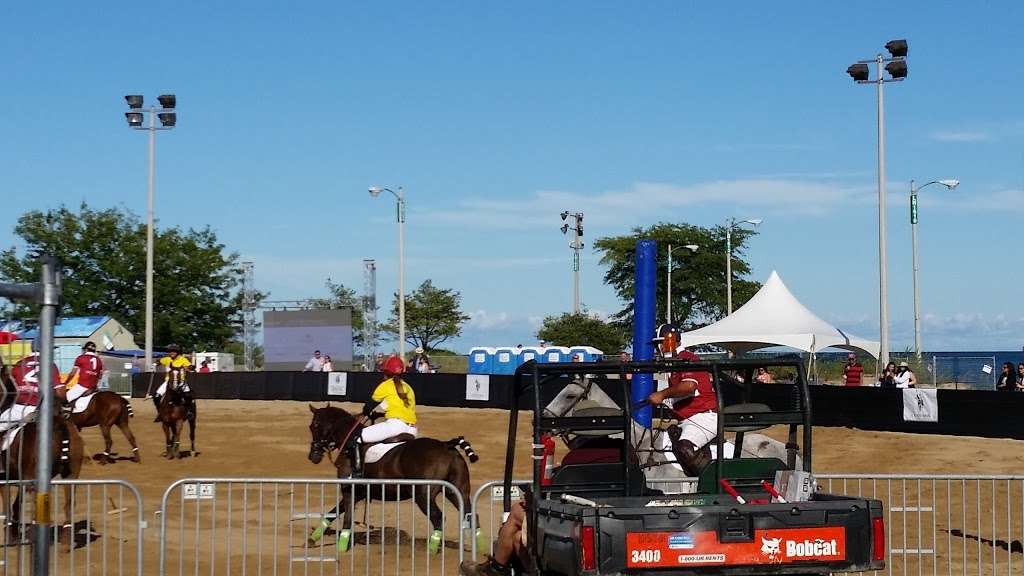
393	366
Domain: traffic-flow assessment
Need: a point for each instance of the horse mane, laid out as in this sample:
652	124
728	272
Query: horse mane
335	420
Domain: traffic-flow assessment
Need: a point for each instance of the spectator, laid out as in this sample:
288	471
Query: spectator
1007	378
625	357
327	366
421	362
764	376
905	377
888	377
204	366
853	372
315	364
1020	376
378	362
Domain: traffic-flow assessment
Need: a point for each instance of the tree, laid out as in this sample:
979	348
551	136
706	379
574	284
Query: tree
582	330
197	303
340	296
698	278
432	316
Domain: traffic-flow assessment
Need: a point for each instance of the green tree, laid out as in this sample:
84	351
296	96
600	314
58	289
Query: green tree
582	329
341	296
195	281
698	278
432	316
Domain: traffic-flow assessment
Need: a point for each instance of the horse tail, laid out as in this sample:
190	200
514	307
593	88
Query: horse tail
460	442
126	408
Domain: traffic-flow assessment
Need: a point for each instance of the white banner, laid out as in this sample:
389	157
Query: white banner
337	383
920	405
478	387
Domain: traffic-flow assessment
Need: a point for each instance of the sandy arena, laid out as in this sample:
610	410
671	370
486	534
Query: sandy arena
271	439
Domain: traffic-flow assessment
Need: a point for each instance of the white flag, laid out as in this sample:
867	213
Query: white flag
920	405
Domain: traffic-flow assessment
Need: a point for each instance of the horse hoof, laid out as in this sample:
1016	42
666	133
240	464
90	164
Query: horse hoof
344	541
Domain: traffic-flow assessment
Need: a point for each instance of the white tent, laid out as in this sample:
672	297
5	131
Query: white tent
774	317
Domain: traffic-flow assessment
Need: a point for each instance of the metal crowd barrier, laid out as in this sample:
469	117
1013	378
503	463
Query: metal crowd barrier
935	524
275	526
103	532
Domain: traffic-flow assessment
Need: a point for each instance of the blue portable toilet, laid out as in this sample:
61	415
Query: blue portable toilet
554	354
481	360
586	353
527	353
506	360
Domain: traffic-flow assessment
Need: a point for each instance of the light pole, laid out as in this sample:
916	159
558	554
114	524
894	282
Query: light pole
577	246
950	184
732	225
897	69
400	207
668	282
168	119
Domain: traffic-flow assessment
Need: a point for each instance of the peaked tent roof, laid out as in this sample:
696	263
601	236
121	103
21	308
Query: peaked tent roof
774	317
75	327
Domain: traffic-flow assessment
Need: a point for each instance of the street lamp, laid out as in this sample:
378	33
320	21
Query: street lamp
896	66
577	246
950	184
168	119
668	287
733	224
400	209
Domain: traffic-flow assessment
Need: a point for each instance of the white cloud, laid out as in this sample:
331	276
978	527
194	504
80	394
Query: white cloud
484	320
960	135
647	200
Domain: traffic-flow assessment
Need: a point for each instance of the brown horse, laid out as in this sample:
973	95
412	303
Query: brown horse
19	462
106	410
174	412
421	458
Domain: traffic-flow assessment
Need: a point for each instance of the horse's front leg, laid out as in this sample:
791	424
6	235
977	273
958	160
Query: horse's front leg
167	441
192	432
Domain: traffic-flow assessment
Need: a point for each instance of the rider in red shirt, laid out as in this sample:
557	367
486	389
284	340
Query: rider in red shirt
89	368
26	380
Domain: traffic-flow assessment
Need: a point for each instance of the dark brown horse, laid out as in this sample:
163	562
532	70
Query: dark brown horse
106	410
174	412
19	461
421	459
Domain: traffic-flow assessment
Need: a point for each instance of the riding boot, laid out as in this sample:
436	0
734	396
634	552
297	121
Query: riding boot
692	458
156	402
489	567
357	459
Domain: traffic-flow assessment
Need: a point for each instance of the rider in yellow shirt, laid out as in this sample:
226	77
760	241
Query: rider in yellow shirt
398	401
176	366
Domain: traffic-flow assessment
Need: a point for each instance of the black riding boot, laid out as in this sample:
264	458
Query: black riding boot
692	458
357	459
156	402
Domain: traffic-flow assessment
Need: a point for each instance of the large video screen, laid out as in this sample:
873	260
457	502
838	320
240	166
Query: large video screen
291	336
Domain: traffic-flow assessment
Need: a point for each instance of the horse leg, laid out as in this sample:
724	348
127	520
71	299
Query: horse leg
192	432
427	503
108	443
122	424
167	440
176	438
459	477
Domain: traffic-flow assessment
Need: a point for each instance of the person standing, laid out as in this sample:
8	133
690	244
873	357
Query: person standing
888	377
315	364
1007	378
204	367
905	377
853	372
327	366
89	368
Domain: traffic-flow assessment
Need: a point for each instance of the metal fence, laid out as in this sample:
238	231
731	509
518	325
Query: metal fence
117	381
965	372
279	526
963	525
101	536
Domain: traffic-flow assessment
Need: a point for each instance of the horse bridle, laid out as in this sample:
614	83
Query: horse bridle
328	447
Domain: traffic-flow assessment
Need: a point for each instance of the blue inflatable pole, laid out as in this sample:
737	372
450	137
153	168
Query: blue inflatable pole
643	326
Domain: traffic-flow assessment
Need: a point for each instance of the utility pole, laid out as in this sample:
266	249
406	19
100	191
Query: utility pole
577	246
369	313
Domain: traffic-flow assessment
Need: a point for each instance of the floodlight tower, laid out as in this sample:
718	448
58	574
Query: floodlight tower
577	246
896	66
168	120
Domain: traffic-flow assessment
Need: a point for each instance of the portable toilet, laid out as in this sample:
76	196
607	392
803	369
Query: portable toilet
586	353
506	360
481	360
527	353
554	354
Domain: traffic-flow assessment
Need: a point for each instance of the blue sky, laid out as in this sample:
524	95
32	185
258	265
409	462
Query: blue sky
496	117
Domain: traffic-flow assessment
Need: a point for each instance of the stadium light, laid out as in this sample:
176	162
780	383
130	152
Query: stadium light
896	66
168	119
668	282
577	246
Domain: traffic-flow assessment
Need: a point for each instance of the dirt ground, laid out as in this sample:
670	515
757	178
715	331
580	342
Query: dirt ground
256	439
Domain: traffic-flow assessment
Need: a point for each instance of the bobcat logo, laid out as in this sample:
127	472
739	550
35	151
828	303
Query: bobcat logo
770	547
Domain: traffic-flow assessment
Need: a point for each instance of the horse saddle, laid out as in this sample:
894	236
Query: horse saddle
374	452
82	403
